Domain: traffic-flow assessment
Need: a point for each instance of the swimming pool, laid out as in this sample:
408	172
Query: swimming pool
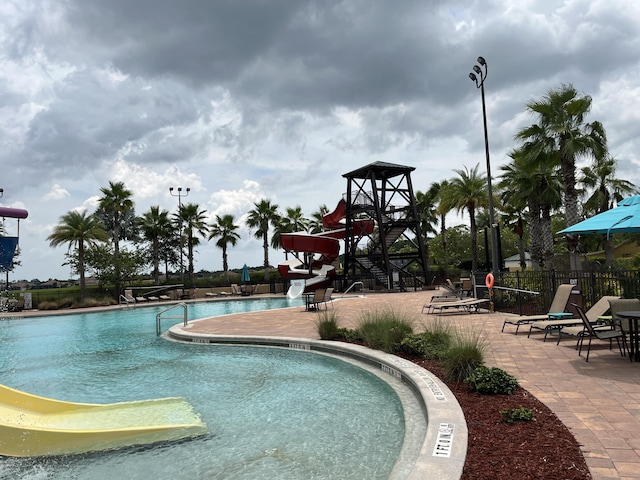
272	413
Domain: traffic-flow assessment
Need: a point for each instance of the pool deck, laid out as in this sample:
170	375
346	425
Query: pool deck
599	400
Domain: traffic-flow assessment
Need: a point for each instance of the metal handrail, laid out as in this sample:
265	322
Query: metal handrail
351	286
183	316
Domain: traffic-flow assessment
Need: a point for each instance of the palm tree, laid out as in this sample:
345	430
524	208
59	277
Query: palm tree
115	203
78	229
425	204
468	192
315	224
561	129
444	206
224	230
192	221
155	225
263	215
606	190
293	221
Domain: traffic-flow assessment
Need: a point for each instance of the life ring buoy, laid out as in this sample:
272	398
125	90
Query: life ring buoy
488	281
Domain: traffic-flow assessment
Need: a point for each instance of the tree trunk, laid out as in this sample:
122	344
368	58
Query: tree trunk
474	239
572	216
265	246
537	244
608	252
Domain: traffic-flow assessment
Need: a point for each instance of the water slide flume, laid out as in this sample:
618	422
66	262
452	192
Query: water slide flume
37	426
320	249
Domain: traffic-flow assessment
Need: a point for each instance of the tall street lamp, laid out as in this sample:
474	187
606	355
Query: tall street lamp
479	77
180	195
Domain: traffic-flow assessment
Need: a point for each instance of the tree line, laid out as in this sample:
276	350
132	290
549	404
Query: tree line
540	184
159	237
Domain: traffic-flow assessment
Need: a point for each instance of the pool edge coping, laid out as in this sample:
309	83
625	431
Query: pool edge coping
443	451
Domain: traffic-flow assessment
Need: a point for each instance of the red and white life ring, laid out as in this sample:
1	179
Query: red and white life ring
489	280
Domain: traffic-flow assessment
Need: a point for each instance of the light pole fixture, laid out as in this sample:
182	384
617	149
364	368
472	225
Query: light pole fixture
479	75
180	195
1	192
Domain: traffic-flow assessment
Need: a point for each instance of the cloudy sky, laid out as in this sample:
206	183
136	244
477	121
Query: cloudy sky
252	99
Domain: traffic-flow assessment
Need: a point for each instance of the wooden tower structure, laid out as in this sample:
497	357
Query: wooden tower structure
393	254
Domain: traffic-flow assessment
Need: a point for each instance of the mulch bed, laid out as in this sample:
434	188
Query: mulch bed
540	449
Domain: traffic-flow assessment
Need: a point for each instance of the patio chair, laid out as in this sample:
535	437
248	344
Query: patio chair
597	310
17	306
595	315
621	305
312	302
327	297
605	335
558	305
235	289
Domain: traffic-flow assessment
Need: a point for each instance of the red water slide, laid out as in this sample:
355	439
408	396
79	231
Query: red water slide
323	247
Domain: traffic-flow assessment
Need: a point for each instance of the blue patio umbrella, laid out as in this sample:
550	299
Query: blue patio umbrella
624	218
245	274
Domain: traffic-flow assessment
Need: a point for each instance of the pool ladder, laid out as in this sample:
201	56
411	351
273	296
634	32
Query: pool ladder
161	315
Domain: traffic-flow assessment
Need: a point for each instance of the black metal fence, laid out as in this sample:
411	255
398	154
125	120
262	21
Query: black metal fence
531	292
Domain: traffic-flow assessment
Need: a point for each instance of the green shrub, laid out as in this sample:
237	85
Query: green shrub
492	381
464	355
384	329
431	345
327	324
513	415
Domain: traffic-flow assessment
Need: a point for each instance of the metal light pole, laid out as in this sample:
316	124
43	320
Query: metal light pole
180	195
479	77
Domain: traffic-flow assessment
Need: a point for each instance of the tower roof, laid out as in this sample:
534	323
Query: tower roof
382	170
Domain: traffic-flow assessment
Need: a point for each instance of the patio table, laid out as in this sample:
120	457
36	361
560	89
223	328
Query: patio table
634	337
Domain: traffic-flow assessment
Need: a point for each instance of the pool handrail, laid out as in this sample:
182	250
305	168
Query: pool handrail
351	286
183	316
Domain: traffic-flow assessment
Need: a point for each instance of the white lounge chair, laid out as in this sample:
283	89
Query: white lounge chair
558	305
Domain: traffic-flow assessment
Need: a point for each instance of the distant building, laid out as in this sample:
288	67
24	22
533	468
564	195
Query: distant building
512	263
625	249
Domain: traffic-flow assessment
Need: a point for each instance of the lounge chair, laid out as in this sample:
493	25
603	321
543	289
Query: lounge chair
605	335
558	305
210	294
165	297
153	299
467	305
597	310
437	299
141	299
235	289
451	288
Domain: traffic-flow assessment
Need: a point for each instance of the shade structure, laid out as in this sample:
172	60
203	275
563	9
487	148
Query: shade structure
245	274
624	218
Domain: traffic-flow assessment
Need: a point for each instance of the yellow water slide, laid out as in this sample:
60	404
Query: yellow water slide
36	426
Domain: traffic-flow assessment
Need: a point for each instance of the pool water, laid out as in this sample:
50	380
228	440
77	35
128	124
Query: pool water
272	413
